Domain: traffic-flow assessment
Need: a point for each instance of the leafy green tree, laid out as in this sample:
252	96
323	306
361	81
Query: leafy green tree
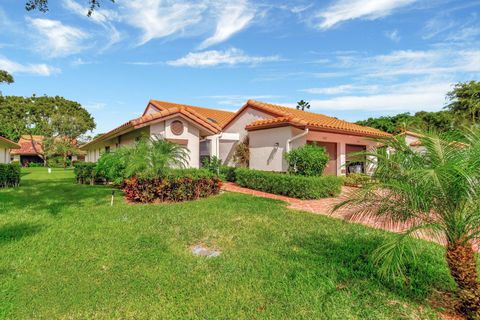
42	5
465	102
302	105
5	77
47	116
437	192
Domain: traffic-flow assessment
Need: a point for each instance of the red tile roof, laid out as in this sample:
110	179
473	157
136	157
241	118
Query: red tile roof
10	144
29	146
218	117
289	116
195	114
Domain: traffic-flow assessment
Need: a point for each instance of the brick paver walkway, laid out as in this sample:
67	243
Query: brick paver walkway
324	206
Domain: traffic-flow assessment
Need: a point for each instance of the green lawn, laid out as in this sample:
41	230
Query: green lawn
65	253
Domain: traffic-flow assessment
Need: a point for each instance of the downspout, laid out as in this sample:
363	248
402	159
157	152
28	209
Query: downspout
298	136
218	144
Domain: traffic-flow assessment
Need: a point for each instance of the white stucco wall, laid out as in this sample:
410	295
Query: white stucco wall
248	116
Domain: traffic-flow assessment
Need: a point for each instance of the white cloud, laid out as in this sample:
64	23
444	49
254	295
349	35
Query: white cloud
56	39
428	96
161	18
393	35
344	10
233	18
35	69
341	89
101	17
212	58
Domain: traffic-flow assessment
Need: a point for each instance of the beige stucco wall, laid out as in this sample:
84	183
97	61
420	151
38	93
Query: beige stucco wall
4	155
162	128
190	133
95	151
264	154
227	148
341	140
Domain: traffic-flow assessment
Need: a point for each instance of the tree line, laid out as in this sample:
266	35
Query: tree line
462	109
59	120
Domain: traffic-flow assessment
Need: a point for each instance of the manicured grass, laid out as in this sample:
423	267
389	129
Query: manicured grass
65	253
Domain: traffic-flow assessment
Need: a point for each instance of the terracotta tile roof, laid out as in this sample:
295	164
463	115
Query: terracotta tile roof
29	146
186	111
10	144
301	118
218	117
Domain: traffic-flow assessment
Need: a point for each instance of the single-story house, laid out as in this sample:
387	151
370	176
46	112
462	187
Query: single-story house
30	150
272	130
5	148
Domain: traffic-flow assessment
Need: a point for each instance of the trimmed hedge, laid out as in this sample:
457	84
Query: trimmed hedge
9	175
86	173
294	186
228	173
173	186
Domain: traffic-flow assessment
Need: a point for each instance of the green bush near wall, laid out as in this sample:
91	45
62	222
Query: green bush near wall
9	175
294	186
86	173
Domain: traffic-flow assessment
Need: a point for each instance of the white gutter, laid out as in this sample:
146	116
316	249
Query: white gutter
298	136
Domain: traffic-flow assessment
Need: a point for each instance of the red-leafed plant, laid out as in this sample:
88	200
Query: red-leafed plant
173	186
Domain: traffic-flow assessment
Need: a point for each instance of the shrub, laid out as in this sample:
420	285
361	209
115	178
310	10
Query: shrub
356	179
87	173
308	160
35	165
228	173
58	162
112	166
9	175
289	185
173	186
212	164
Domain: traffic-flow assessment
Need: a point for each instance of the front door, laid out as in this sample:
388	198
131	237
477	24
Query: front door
331	147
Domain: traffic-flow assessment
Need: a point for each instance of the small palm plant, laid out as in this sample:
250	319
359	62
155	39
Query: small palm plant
152	156
434	190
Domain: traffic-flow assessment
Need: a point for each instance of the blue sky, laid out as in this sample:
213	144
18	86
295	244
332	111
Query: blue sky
350	58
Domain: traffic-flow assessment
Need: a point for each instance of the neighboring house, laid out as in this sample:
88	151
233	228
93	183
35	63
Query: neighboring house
272	130
5	148
413	140
30	150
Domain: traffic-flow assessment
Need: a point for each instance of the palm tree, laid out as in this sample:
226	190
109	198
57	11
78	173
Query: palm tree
302	105
435	190
152	156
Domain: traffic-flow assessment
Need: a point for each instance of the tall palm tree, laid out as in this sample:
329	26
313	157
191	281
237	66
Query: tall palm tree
434	190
